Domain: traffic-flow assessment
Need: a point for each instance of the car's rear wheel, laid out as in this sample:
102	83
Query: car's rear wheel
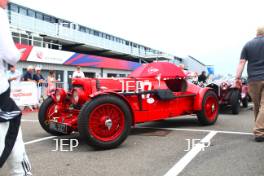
249	98
235	101
46	112
105	122
210	109
245	102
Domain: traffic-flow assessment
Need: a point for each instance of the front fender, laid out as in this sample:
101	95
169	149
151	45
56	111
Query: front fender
52	93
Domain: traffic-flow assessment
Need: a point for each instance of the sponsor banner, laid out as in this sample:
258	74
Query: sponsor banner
100	62
51	56
24	93
25	50
46	55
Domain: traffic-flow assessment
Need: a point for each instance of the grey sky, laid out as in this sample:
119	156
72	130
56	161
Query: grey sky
211	31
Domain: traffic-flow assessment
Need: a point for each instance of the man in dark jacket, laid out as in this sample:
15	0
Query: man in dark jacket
38	77
202	77
28	76
253	53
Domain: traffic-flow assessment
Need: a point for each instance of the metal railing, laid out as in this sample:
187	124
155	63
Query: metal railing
44	90
27	23
30	40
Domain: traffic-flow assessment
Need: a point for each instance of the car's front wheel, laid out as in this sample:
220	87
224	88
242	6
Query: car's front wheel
210	109
105	122
46	112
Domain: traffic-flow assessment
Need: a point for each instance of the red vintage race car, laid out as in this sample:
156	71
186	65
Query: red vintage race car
103	110
229	95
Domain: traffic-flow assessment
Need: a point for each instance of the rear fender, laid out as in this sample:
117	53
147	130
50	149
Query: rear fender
215	88
199	98
101	93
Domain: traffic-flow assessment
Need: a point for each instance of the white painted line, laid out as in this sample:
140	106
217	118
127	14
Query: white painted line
40	140
235	132
26	120
198	130
183	162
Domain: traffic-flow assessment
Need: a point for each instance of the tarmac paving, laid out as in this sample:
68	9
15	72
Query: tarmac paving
152	149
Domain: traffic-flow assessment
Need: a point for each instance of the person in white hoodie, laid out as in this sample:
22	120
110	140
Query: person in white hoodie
12	148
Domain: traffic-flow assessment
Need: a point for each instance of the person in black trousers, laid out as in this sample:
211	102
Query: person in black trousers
12	148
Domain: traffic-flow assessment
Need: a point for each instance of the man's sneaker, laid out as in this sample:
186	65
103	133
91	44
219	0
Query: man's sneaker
259	138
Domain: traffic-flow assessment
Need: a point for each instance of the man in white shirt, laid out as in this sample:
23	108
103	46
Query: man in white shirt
78	73
13	75
12	148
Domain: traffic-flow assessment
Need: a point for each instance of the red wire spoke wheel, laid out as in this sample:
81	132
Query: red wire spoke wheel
105	122
210	109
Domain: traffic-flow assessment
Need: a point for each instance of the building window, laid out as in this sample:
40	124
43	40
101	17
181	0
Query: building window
37	41
110	75
122	75
53	20
91	31
16	37
14	8
39	16
46	18
31	13
89	74
127	43
107	36
96	33
25	39
74	26
88	30
66	24
82	29
23	11
15	34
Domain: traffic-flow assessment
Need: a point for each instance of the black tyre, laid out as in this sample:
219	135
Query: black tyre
235	101
210	109
249	98
44	114
245	102
105	122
